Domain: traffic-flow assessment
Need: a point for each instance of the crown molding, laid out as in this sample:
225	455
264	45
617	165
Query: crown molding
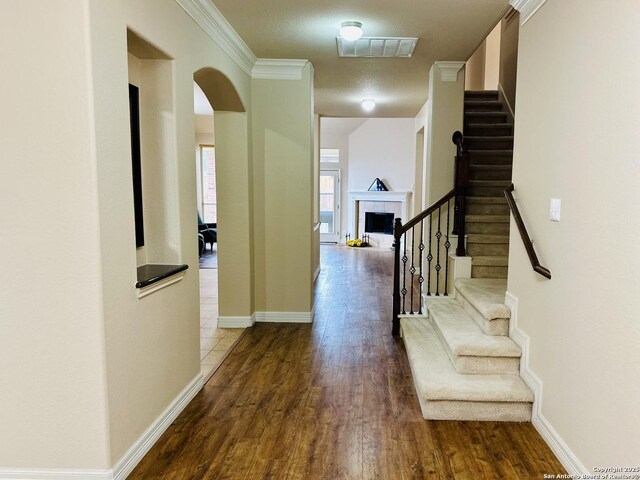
205	14
278	69
526	8
449	70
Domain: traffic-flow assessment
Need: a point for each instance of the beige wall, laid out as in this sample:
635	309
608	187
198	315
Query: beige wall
382	148
53	406
153	343
474	75
445	116
492	59
577	139
283	154
510	26
92	366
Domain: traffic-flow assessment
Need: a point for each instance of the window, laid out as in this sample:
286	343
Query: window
329	155
208	165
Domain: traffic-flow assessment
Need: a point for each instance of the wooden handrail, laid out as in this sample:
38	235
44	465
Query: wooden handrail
400	229
528	244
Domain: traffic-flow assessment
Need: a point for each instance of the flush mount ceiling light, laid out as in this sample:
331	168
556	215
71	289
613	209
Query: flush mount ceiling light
368	104
351	30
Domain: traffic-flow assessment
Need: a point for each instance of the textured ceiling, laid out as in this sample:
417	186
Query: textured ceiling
447	30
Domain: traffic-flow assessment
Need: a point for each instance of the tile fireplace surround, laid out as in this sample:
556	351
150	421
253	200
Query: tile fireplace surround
375	201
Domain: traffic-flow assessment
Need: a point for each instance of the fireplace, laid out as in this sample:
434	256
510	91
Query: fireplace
375	222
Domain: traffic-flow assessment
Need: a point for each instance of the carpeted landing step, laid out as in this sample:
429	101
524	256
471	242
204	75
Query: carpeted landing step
470	350
445	394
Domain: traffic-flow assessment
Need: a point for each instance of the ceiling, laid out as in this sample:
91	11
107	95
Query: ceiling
305	29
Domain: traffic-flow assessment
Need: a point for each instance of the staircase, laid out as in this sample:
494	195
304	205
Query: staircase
489	139
464	365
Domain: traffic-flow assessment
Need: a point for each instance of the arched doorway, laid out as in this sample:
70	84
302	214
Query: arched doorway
214	95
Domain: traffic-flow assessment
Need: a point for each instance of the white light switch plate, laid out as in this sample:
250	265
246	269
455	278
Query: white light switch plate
554	211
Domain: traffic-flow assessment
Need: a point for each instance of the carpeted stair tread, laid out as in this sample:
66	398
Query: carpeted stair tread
489	183
463	335
436	379
482	238
474	153
486	200
486	295
506	168
491	261
487	218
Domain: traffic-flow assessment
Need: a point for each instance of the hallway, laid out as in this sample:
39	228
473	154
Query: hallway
333	399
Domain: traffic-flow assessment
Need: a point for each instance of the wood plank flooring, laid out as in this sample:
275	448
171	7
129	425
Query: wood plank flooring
334	400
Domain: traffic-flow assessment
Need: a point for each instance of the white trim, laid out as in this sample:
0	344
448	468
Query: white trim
315	275
139	449
278	69
527	8
53	474
236	322
160	284
506	101
131	458
567	458
285	317
449	70
205	14
375	196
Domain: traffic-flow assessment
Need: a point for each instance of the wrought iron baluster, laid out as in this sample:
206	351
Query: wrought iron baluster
421	276
429	257
438	267
404	273
447	245
412	270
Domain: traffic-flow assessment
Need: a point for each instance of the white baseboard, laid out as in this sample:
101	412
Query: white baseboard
130	459
54	474
315	275
566	457
139	449
236	322
285	317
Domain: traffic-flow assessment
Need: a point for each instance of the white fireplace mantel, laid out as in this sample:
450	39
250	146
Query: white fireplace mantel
375	196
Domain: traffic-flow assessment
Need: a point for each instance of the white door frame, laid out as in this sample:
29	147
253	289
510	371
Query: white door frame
335	236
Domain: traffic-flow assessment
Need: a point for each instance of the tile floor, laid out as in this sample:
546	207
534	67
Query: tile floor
215	343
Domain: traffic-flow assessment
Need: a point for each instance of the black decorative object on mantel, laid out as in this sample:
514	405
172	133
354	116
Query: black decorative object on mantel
378	186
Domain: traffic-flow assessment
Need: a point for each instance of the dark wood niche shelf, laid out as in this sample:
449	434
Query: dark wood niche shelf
152	273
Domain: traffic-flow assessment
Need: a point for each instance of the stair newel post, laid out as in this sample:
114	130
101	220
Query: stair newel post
461	183
397	234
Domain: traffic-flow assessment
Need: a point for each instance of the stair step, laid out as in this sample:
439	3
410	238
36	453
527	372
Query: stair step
445	394
469	349
489	142
477	208
490	157
487	249
485	200
481	94
479	238
483	300
485	117
491	261
490	129
487	188
482	106
487	218
483	272
490	172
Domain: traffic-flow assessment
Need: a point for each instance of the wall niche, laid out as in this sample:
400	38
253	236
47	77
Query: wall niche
154	162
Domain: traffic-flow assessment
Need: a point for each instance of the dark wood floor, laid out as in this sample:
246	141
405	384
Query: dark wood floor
334	400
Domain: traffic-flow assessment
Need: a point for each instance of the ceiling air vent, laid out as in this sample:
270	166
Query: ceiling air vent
377	47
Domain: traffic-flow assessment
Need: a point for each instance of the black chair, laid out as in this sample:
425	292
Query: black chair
200	244
209	231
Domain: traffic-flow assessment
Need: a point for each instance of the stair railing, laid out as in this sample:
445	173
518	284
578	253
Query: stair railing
528	243
432	228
